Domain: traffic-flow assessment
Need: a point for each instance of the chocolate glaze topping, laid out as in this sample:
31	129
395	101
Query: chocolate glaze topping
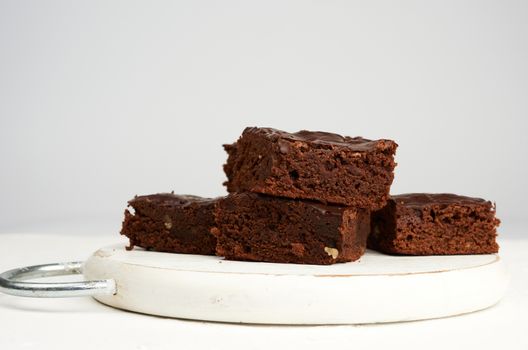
323	208
423	199
171	199
358	144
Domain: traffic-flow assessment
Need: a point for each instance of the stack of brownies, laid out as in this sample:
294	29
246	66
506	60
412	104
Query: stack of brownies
310	198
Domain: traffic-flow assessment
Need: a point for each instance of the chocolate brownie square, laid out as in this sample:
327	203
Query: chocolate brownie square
320	166
256	227
434	224
172	223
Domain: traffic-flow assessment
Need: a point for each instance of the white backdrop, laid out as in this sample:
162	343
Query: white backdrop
101	100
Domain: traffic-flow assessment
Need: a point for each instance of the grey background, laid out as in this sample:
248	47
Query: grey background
102	100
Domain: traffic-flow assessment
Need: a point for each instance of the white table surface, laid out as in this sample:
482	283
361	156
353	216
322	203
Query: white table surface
83	323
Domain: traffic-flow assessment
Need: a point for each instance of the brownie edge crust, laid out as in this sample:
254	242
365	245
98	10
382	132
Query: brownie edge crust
312	165
255	227
434	224
172	223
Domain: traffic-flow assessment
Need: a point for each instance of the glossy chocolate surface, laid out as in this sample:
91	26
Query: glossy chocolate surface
171	199
358	144
426	199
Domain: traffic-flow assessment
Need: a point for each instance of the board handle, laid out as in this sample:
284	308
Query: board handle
11	282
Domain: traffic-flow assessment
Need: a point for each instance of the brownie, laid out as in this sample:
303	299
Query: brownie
257	227
312	165
167	222
434	224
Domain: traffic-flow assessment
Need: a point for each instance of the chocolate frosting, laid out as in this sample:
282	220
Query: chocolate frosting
171	199
323	208
358	144
423	199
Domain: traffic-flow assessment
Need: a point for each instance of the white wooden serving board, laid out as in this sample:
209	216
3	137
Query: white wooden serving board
377	288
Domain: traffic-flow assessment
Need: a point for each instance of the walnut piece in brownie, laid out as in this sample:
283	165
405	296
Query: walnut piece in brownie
320	166
434	224
256	227
172	223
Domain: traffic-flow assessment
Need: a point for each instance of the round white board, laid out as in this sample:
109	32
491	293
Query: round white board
377	288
